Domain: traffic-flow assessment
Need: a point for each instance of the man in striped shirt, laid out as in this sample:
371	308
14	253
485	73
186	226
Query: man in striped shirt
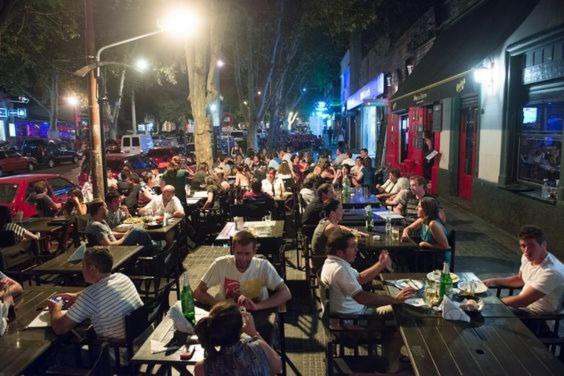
106	302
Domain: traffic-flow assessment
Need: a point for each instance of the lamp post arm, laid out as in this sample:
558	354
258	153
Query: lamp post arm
102	49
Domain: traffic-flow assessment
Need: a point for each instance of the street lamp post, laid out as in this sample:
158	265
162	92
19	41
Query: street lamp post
178	21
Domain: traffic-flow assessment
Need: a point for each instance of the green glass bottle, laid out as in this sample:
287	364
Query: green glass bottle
187	302
446	282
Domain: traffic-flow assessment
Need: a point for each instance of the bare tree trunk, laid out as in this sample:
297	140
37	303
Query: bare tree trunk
117	107
201	55
54	112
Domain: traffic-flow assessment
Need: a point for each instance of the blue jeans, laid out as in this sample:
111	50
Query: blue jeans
138	236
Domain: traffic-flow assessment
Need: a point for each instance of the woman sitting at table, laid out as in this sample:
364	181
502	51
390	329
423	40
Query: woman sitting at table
229	353
20	233
213	190
342	174
243	177
433	231
357	171
75	204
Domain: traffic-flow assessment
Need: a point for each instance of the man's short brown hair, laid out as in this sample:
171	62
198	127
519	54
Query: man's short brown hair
419	179
94	206
100	258
243	238
323	189
338	241
532	232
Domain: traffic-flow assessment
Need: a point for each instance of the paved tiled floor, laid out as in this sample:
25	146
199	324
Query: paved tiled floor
481	248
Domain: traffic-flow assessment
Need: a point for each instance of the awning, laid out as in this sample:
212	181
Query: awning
446	70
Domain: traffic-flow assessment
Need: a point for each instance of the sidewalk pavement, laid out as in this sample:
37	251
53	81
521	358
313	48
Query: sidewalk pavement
480	248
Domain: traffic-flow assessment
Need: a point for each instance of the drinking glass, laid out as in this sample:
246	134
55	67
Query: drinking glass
432	296
395	234
467	288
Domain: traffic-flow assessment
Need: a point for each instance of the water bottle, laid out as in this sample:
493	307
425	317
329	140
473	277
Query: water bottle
368	219
545	192
388	226
187	301
445	286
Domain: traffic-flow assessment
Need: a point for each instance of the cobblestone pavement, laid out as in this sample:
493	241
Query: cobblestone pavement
480	248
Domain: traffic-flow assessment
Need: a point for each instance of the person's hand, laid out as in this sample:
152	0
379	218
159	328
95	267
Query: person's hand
69	297
404	294
384	259
248	324
246	302
54	305
490	282
405	235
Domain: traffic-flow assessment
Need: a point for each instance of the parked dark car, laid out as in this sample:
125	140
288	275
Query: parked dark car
50	152
136	163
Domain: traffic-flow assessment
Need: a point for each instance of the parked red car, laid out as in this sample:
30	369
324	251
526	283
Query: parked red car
161	156
15	190
12	161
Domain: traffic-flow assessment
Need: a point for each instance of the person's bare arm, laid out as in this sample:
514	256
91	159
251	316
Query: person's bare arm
370	273
60	323
10	287
414	226
201	295
514	281
281	295
527	296
373	300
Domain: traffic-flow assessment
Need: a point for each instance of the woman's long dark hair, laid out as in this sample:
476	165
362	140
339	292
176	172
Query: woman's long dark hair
330	206
221	328
431	208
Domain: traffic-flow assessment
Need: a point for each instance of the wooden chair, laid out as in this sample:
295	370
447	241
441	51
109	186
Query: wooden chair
151	274
431	259
137	323
306	232
347	334
545	326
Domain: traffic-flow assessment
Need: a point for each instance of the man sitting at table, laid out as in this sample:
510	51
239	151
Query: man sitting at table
346	295
44	204
245	279
117	212
313	212
407	200
541	276
99	232
106	302
272	185
167	202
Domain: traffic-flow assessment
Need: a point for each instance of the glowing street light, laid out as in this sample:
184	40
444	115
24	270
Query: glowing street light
72	100
245	103
220	63
259	92
304	90
181	22
142	65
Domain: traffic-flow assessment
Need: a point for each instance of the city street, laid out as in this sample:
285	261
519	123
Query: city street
282	187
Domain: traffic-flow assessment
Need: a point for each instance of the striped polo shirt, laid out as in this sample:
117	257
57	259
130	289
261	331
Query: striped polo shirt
106	303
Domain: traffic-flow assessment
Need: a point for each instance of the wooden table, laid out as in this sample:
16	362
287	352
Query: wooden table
165	333
61	265
385	241
356	216
20	347
494	343
159	233
45	225
272	230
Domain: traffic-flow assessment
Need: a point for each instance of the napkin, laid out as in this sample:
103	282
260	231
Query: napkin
4	307
179	321
78	254
452	311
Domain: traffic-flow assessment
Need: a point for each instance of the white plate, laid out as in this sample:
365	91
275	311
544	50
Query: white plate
403	283
479	287
436	277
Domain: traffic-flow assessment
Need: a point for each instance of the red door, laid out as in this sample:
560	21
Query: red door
467	151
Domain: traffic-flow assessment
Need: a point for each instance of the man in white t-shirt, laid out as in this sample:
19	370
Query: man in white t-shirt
245	279
271	185
165	203
346	295
541	276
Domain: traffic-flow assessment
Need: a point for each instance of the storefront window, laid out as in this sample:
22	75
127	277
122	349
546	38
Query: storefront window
540	142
